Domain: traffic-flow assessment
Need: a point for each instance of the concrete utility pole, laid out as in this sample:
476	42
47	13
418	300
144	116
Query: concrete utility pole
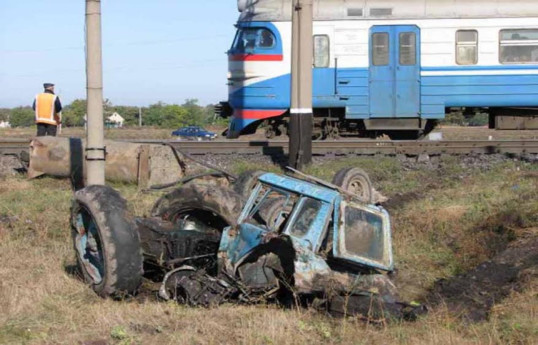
95	149
301	85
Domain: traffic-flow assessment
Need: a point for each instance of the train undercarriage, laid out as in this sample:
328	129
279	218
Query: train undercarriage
331	124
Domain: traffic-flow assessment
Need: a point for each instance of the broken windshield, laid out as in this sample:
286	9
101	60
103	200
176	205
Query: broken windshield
364	236
306	216
271	208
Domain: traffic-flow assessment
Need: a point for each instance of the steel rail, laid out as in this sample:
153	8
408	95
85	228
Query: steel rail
324	148
13	146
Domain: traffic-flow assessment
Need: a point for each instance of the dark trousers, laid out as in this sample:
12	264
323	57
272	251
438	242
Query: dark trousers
44	129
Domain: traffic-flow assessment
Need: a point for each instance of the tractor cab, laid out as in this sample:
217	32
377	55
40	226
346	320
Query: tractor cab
322	225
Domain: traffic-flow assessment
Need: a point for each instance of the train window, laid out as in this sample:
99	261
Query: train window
381	11
252	38
518	46
321	51
408	49
467	47
380	51
267	39
354	12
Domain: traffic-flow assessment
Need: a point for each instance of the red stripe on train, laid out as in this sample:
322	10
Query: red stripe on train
249	114
257	57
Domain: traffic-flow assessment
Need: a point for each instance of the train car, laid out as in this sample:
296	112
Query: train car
383	66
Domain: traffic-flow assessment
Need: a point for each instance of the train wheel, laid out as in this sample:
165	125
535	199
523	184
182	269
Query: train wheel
270	132
355	181
282	129
317	136
106	242
333	133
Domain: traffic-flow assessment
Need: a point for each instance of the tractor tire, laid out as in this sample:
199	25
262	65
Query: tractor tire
106	241
207	208
246	182
356	181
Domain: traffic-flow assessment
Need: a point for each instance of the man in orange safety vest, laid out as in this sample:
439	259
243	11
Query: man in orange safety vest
48	111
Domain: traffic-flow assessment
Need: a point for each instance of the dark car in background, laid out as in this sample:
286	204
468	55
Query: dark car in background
194	133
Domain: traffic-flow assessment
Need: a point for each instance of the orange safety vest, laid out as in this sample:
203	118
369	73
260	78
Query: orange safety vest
44	108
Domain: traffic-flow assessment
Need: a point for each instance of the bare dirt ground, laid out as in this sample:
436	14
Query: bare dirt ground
474	293
464	240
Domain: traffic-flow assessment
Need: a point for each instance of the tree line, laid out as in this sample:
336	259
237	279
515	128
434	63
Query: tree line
157	115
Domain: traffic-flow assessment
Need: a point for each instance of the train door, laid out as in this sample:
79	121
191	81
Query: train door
394	73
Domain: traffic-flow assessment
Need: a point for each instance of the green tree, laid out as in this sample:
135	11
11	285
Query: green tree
73	114
195	113
4	114
165	115
22	117
130	114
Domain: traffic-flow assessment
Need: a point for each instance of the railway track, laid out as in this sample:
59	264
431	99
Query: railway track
323	148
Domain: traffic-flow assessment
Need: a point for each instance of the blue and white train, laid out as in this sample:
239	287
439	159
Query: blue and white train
387	66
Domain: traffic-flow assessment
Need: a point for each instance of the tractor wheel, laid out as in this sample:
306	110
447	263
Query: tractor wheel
201	207
355	181
106	242
246	182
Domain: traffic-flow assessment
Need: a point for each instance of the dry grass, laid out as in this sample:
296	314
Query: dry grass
443	232
449	133
482	133
123	133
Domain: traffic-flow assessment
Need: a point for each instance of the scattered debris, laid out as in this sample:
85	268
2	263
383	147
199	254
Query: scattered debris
292	240
10	165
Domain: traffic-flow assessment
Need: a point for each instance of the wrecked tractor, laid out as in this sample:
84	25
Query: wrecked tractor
263	237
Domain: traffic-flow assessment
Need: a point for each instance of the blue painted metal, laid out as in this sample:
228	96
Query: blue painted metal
236	125
313	239
394	87
240	242
88	247
300	187
382	85
248	238
437	92
407	76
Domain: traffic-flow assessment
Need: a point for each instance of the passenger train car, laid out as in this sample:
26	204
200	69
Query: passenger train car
383	66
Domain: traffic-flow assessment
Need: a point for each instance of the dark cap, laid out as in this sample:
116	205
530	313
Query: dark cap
47	85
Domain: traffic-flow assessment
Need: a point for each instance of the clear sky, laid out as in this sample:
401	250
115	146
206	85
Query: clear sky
153	50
